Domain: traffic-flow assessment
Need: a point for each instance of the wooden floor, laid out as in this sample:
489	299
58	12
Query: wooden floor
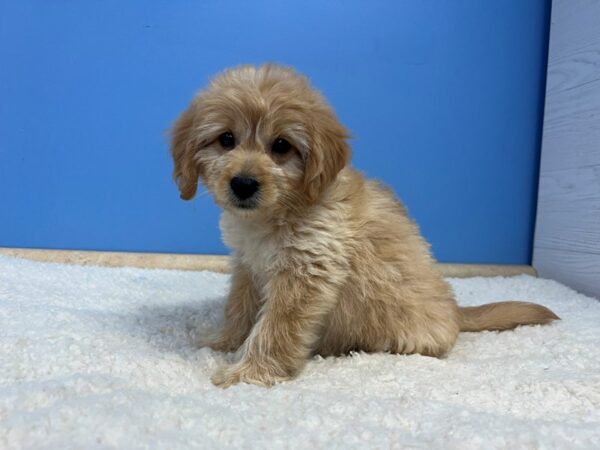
218	263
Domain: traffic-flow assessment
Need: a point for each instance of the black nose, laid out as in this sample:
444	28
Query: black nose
243	187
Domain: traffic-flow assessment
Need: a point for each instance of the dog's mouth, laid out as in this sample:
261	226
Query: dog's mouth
248	204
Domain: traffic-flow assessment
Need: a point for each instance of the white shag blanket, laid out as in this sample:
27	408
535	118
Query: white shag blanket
105	358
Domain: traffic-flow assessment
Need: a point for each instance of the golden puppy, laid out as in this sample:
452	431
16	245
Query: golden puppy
324	261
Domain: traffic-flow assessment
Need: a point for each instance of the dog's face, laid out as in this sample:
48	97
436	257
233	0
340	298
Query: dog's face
261	140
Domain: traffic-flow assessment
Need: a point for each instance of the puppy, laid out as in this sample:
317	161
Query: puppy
324	261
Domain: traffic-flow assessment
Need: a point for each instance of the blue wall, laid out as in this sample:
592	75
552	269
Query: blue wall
443	98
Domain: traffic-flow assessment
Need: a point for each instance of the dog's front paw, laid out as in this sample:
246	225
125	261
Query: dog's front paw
248	372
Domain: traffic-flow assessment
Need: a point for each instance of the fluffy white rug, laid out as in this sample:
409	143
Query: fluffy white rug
104	358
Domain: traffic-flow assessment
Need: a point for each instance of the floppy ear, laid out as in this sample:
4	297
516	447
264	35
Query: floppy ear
185	170
328	155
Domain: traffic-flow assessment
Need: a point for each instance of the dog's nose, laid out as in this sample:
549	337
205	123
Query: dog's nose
243	187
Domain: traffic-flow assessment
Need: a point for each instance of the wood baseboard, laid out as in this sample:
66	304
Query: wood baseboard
218	263
214	263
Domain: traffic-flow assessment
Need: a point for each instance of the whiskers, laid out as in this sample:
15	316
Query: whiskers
204	193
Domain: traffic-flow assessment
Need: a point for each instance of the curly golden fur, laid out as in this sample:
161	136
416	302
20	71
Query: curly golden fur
325	261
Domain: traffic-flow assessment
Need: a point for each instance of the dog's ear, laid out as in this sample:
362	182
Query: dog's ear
185	169
328	155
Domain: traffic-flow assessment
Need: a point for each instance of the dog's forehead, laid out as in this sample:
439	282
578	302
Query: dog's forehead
266	110
264	88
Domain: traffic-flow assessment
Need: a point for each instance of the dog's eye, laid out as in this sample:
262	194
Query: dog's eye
227	140
281	146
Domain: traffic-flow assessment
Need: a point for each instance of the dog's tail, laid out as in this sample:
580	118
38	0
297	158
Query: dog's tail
504	316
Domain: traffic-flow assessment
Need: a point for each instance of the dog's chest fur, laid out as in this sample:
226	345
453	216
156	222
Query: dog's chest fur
306	245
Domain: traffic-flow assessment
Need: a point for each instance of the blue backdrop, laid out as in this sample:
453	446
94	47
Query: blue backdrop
444	100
